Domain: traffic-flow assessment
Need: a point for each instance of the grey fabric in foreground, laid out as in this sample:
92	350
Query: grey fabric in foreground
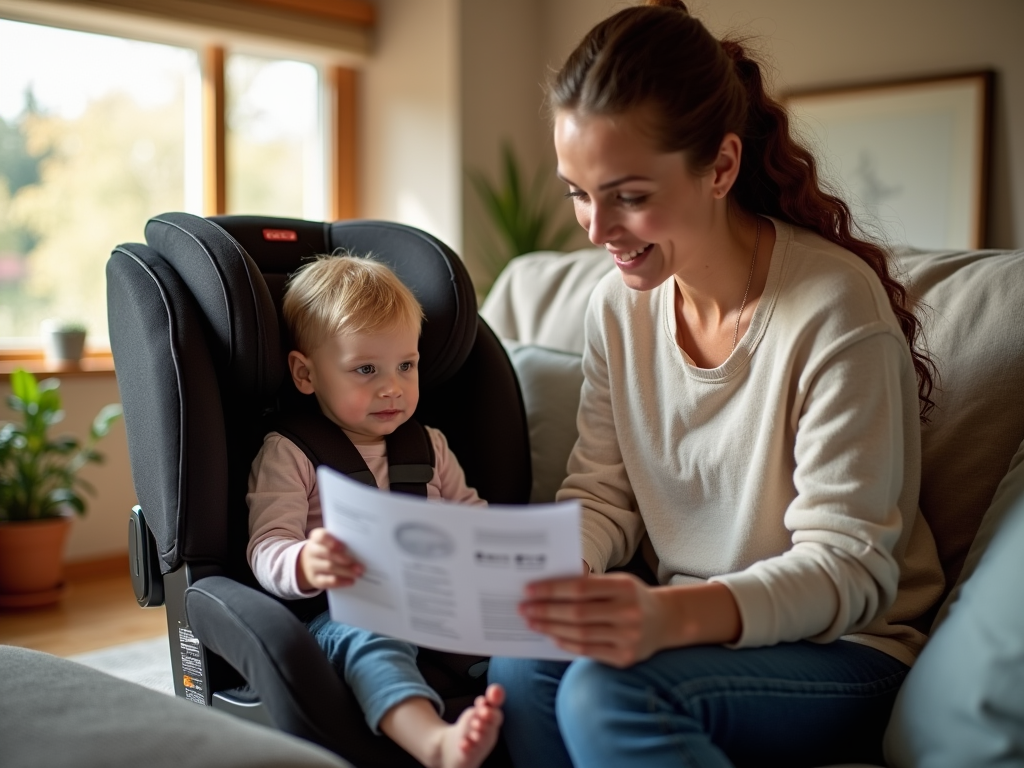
55	713
961	704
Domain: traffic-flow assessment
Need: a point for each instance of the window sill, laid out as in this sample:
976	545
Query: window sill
93	364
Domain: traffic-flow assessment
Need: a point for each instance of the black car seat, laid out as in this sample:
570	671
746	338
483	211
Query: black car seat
200	353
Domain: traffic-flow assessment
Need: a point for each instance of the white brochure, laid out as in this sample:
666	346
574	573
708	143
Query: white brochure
444	575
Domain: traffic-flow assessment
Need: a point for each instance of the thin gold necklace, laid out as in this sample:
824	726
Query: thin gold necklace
750	276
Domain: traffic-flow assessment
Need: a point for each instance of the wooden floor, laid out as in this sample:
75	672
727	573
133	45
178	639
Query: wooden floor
97	609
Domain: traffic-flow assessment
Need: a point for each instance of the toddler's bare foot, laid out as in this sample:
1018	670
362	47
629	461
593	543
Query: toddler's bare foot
471	738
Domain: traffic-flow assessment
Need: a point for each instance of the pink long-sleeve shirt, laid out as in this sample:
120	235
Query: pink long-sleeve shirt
284	504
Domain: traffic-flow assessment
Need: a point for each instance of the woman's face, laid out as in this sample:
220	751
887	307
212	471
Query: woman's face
646	207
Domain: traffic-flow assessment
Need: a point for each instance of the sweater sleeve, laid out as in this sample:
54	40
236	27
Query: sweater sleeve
845	520
282	484
611	526
449	478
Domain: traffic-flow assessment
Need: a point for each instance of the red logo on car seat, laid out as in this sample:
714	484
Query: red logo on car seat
280	234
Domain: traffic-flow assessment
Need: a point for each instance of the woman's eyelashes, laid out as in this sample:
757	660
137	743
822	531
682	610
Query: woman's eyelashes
626	200
632	201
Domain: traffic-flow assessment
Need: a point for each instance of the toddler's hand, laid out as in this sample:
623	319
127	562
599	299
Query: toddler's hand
325	563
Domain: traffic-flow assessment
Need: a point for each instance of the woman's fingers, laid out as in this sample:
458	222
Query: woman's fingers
608	617
593	587
599	634
605	598
611	609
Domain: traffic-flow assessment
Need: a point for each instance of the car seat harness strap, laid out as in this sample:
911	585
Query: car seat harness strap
409	449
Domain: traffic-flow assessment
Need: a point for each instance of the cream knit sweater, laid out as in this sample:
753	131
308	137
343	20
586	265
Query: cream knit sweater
790	473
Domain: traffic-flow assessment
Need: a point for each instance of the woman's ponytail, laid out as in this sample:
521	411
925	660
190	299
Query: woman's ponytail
779	177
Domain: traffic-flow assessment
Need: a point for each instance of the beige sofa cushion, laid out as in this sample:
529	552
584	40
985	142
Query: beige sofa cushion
973	316
540	298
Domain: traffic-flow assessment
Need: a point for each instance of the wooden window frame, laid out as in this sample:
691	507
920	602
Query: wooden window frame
341	107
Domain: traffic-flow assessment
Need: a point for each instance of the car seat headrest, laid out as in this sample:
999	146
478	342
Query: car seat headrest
231	294
434	273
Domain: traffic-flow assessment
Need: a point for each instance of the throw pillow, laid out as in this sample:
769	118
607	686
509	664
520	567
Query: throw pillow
541	298
550	381
973	322
961	704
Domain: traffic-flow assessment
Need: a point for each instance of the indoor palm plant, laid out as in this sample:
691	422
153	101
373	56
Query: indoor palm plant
40	488
523	216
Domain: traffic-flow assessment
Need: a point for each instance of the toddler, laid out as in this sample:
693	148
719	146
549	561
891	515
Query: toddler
355	329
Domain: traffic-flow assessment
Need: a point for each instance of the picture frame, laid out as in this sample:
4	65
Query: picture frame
910	157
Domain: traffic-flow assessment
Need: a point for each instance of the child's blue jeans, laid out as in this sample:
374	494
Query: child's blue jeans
795	704
381	671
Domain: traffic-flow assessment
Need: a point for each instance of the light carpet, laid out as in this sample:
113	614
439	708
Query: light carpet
146	662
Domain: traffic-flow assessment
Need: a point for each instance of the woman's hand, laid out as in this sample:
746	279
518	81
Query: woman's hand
613	617
618	619
326	563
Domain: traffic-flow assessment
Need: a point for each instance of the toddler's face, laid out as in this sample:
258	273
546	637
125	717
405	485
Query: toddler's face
367	383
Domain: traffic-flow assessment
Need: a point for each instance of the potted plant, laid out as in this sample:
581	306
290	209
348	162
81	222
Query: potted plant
40	489
522	215
63	341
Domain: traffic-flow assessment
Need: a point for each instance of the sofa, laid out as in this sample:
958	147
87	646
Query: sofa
55	712
961	704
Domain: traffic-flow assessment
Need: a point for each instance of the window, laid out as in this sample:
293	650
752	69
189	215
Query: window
90	149
98	133
275	163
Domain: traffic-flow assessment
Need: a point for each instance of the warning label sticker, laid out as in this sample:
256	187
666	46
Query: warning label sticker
191	666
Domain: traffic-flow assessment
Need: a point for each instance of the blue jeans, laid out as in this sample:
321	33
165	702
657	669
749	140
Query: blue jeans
794	704
381	671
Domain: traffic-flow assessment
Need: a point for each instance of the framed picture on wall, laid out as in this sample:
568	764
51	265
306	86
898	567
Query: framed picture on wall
910	157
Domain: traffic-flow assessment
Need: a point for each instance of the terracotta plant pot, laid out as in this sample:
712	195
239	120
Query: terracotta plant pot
32	562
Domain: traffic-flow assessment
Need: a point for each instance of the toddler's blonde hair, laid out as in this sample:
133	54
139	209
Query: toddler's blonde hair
346	294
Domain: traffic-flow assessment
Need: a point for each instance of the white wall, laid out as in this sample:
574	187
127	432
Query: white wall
500	86
410	133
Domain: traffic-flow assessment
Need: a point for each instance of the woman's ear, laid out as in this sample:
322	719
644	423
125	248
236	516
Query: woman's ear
301	368
727	165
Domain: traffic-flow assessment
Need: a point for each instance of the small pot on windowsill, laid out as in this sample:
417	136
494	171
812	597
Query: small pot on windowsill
63	344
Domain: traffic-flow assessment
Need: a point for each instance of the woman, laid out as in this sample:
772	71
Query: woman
749	420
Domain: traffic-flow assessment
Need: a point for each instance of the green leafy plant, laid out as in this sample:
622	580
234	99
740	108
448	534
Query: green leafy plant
39	474
522	214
